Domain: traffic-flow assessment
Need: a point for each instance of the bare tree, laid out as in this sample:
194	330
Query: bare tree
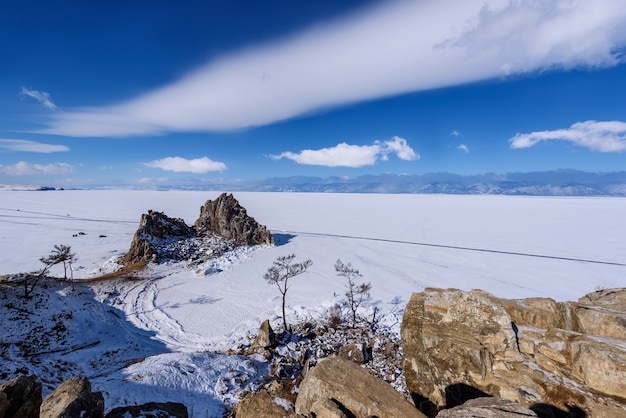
60	254
281	271
356	293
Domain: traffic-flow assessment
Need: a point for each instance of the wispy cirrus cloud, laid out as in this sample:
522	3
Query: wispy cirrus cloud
392	48
609	136
182	165
24	168
353	156
31	146
41	96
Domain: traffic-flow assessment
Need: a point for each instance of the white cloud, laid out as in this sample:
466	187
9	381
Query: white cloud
353	156
181	165
30	146
463	148
609	136
41	96
392	48
455	133
26	169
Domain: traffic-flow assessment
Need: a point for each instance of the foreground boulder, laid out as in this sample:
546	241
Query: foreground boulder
353	390
222	225
152	410
73	398
20	397
555	358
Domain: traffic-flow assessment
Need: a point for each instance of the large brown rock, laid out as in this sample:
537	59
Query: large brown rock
22	397
224	216
152	410
353	389
461	345
73	398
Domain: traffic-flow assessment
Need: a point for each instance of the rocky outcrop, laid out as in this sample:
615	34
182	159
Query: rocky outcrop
20	397
225	217
222	225
355	392
152	410
555	358
73	398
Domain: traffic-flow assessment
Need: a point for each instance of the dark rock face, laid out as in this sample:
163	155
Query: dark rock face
152	409
21	397
73	398
226	217
223	224
155	229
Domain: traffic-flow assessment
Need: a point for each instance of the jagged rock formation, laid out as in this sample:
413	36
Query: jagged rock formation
73	398
21	397
222	225
156	230
227	218
355	392
555	358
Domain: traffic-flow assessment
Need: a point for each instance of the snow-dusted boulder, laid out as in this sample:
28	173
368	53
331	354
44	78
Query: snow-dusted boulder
264	405
562	356
73	398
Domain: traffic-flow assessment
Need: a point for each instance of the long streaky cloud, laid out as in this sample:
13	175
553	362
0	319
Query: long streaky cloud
392	48
182	165
30	146
41	96
353	156
24	168
609	136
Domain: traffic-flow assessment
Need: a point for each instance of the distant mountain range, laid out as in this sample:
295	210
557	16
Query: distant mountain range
547	183
544	183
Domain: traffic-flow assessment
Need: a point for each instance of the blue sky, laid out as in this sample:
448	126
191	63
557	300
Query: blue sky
150	92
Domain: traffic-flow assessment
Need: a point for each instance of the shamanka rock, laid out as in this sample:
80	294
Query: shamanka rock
223	224
554	358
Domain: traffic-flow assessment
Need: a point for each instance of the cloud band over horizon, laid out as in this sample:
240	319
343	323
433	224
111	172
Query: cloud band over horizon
392	48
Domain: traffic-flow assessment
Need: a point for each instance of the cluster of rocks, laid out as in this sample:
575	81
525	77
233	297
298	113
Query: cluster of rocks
563	359
223	224
21	398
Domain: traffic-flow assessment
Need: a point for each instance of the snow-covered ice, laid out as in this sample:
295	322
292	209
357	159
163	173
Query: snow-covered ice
513	247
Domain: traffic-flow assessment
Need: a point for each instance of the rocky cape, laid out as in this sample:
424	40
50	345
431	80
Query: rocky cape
222	225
